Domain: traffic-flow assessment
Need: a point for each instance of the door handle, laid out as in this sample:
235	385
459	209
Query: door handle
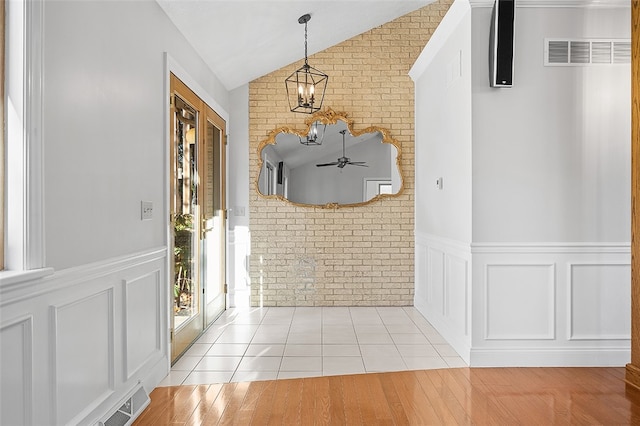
204	229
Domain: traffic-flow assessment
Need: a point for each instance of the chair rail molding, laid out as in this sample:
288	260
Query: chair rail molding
558	3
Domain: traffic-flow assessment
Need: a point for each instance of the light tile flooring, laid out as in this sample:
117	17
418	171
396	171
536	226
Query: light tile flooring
277	343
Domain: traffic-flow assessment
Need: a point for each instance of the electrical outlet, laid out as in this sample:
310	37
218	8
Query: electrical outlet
146	210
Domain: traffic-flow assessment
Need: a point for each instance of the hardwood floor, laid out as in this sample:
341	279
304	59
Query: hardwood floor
480	396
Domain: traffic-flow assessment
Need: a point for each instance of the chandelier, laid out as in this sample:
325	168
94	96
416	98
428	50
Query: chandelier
315	136
306	86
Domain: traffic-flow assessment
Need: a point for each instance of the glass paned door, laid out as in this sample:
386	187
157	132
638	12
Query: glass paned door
187	322
197	211
214	223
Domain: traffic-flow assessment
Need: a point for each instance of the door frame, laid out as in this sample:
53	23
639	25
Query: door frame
171	66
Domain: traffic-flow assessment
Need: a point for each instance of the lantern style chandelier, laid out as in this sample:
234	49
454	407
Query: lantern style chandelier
315	136
306	86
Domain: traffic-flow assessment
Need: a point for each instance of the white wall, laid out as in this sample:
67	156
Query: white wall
443	135
76	343
551	155
104	128
546	278
238	156
551	198
442	76
239	184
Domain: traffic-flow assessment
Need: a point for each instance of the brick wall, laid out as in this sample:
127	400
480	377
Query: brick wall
362	256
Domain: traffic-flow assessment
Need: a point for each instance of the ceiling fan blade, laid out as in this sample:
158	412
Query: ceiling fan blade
358	163
327	164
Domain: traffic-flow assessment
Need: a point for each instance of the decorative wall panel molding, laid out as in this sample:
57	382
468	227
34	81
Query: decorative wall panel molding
443	288
17	371
457	292
519	301
594	294
76	333
550	304
83	355
142	321
436	281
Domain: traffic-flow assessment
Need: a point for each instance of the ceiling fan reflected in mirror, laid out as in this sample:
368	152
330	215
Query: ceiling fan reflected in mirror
344	160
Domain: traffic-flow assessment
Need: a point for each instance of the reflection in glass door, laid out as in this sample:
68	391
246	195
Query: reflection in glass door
197	216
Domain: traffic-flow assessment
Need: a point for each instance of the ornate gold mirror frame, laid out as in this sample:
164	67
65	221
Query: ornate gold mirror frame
331	117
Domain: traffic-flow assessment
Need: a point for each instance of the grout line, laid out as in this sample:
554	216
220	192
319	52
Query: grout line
230	321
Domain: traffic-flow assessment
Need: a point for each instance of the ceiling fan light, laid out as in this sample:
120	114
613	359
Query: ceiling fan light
344	160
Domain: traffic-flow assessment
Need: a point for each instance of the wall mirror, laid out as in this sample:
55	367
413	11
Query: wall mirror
329	164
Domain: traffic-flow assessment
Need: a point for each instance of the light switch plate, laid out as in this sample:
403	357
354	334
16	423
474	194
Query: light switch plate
146	210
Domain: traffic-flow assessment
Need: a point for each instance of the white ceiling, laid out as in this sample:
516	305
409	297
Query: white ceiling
241	40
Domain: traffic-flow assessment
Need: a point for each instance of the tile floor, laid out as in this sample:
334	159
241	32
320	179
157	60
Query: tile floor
278	343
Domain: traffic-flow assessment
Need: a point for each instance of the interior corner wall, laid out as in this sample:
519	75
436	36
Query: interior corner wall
443	151
551	197
443	139
349	256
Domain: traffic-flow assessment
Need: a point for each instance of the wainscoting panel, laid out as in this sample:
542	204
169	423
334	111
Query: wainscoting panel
421	291
595	295
83	351
456	293
142	325
16	371
94	333
443	288
550	304
436	281
520	302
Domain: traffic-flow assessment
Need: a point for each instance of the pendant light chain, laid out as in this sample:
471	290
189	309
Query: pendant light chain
306	61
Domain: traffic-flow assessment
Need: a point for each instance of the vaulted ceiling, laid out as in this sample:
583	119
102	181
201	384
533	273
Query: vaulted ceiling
241	40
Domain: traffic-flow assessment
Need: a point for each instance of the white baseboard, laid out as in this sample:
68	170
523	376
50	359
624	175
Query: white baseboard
459	343
553	357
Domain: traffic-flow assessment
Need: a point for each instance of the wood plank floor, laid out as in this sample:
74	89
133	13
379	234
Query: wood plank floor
464	396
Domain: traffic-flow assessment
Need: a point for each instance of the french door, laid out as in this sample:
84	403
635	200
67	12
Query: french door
197	216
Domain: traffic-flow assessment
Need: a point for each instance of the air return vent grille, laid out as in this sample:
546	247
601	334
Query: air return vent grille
128	410
577	52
